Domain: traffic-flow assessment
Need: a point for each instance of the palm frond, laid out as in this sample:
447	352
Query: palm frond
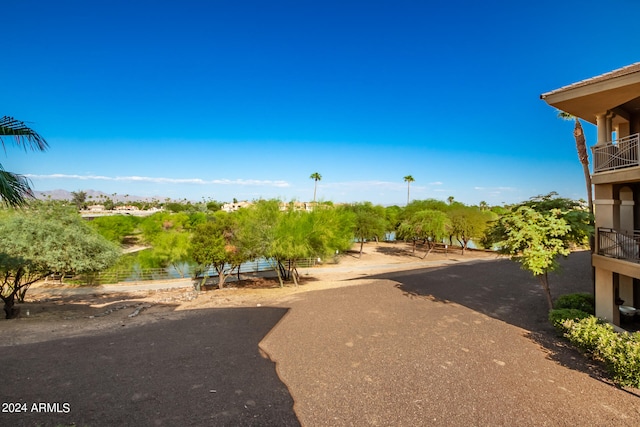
14	189
22	134
565	116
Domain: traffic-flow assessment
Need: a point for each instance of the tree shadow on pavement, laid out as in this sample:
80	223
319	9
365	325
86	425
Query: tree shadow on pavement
500	289
200	367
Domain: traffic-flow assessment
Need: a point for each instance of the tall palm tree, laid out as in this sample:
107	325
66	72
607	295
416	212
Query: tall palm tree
14	188
581	147
315	177
408	179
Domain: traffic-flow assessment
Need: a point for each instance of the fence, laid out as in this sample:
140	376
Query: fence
170	273
616	244
619	154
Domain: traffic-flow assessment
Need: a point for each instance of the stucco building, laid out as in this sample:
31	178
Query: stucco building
611	102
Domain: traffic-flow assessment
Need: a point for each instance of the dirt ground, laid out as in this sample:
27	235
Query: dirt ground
53	311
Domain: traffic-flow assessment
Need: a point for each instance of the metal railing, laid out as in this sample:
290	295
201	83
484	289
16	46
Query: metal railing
616	244
618	154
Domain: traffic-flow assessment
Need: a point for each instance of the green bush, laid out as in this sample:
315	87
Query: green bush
559	315
580	301
619	352
585	333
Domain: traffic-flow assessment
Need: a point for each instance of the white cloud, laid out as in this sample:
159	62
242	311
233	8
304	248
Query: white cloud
161	180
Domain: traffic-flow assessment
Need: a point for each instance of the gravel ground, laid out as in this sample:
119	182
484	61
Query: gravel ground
455	344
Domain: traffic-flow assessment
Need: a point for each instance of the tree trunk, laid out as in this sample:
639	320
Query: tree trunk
294	273
11	312
544	281
428	252
279	272
221	276
581	147
361	247
463	244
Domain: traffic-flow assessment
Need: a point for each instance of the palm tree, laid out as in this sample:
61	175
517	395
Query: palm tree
315	177
14	188
408	179
581	147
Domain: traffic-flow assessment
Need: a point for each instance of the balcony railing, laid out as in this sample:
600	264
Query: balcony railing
615	244
619	154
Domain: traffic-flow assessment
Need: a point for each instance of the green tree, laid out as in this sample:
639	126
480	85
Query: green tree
368	222
214	244
14	188
79	198
37	243
393	216
169	248
303	235
283	237
420	205
169	234
537	232
108	204
579	220
467	222
315	177
115	228
428	225
408	179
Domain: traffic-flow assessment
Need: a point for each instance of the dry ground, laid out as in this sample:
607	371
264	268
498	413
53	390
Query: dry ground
53	311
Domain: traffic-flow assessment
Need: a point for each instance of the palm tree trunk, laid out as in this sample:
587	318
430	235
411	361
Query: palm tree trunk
315	187
581	147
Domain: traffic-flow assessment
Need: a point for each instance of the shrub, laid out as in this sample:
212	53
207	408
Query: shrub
579	301
586	333
558	316
619	352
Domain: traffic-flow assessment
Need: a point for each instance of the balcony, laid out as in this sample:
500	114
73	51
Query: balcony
619	154
616	244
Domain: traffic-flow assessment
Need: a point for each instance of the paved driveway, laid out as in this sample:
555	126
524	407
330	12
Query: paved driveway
455	346
448	346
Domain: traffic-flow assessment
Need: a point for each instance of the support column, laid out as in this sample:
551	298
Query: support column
623	130
606	207
626	290
627	206
601	121
609	125
626	226
606	307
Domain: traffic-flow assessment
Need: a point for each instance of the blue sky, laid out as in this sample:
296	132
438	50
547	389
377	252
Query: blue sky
246	99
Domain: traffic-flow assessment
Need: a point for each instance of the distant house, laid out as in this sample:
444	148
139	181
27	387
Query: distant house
95	208
232	207
611	102
297	206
